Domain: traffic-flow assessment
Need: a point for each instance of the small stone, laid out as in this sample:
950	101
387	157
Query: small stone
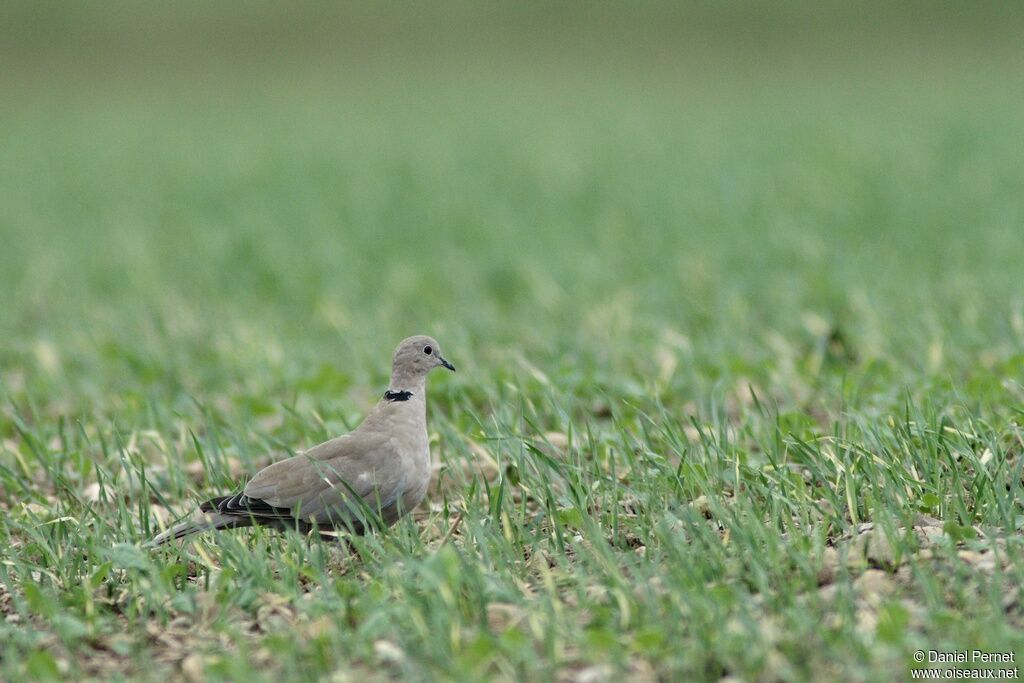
597	594
502	615
91	493
195	470
873	586
591	674
777	667
917	613
235	467
929	535
828	593
875	546
829	565
1011	598
982	561
558	440
37	510
867	620
927	521
192	668
388	652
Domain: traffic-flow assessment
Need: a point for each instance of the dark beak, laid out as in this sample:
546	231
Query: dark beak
447	364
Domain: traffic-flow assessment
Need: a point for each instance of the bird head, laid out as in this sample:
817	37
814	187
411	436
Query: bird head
414	358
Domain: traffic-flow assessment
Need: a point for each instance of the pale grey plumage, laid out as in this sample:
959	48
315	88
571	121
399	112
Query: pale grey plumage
378	472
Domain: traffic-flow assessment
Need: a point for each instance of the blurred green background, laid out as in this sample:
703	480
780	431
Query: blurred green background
197	193
754	267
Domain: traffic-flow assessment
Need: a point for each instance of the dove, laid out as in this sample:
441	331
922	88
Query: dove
374	474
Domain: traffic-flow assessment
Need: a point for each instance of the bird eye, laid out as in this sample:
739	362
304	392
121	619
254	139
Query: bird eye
427	350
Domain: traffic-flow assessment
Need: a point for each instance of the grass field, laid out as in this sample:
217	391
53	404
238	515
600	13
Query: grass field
735	294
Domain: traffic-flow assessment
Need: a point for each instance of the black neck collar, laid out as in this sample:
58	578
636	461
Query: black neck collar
397	395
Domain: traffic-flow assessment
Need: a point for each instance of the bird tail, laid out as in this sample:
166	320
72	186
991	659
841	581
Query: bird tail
206	518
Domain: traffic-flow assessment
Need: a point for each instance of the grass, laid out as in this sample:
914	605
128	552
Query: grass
740	349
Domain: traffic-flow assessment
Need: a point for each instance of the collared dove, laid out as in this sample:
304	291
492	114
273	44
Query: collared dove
378	471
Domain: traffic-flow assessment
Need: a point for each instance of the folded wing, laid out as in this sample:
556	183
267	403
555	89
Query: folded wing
343	482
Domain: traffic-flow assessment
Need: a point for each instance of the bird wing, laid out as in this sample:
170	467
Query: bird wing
341	481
